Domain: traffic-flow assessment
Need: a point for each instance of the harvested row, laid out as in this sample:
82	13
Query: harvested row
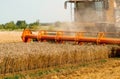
15	57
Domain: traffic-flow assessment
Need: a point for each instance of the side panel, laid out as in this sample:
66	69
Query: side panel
110	12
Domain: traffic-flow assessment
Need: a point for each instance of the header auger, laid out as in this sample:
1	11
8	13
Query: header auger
77	37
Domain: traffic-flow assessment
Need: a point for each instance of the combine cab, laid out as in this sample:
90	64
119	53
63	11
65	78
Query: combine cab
99	14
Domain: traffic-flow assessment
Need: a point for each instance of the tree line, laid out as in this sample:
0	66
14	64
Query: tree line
19	25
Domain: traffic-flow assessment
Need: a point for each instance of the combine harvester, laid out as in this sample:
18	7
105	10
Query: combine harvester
87	13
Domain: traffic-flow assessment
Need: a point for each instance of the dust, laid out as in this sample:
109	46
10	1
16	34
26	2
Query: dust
90	16
70	26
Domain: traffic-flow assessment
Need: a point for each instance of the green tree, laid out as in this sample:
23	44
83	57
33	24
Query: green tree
21	24
1	26
34	25
10	25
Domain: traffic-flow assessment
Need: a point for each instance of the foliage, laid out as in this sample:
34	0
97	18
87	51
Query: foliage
10	25
34	25
1	26
20	24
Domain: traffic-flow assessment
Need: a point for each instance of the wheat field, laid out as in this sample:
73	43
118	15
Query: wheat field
16	56
10	36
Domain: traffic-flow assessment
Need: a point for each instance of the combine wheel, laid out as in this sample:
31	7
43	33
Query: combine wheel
25	33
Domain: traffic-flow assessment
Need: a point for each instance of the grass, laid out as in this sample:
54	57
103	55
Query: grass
52	70
102	61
